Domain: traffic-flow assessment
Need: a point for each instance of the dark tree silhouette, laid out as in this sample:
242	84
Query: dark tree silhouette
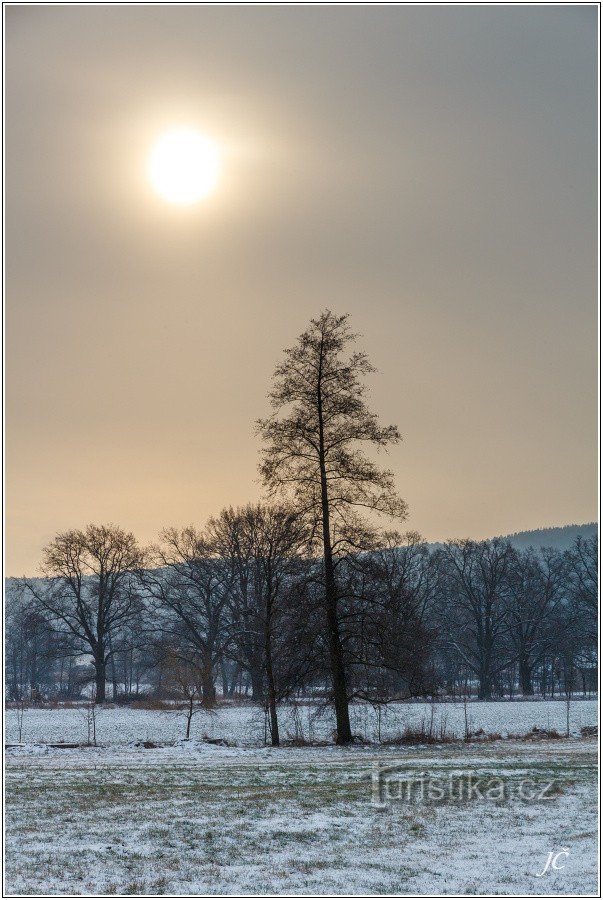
583	580
90	591
475	585
314	453
534	588
261	543
190	589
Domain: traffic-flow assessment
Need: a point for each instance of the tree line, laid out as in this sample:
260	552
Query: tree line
308	593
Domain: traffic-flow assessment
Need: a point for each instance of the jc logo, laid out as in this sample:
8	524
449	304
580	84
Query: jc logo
552	861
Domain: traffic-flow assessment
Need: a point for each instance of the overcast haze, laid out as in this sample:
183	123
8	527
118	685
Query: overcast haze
431	170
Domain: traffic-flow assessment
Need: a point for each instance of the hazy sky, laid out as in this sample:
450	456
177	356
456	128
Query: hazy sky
431	170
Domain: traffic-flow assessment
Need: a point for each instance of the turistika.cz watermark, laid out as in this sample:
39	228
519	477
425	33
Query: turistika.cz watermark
393	785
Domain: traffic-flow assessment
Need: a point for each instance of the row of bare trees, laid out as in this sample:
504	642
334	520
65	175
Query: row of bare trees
512	614
308	592
239	604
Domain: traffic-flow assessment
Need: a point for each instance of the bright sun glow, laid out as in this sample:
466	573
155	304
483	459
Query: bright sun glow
184	167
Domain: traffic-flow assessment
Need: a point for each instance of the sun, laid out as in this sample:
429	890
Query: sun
184	167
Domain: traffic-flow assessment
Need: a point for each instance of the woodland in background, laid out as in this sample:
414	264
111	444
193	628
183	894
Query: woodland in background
225	615
304	595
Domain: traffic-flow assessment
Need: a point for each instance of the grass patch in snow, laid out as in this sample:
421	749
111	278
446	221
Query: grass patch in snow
292	821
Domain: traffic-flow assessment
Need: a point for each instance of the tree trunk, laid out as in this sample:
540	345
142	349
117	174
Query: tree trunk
340	694
100	677
485	685
113	669
525	678
274	735
189	715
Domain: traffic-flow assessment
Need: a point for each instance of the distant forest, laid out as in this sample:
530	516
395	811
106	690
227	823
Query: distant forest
560	538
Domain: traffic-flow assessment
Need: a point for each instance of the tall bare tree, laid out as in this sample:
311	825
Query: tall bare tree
89	589
314	452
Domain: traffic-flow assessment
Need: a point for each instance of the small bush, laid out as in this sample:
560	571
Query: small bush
541	734
589	731
485	736
418	736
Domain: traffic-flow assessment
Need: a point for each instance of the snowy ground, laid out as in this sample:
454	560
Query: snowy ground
245	725
196	818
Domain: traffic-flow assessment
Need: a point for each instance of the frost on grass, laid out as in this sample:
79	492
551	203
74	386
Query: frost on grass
233	820
244	725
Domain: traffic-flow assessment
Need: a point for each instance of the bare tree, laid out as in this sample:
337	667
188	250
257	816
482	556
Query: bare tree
193	586
89	589
388	636
230	539
20	710
90	716
184	681
33	648
261	545
278	536
583	580
404	565
314	453
534	588
475	605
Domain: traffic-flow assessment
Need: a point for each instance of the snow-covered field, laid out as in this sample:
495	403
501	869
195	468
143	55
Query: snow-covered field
245	725
197	818
191	817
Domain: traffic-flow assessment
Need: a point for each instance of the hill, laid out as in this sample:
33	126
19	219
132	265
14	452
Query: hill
560	538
